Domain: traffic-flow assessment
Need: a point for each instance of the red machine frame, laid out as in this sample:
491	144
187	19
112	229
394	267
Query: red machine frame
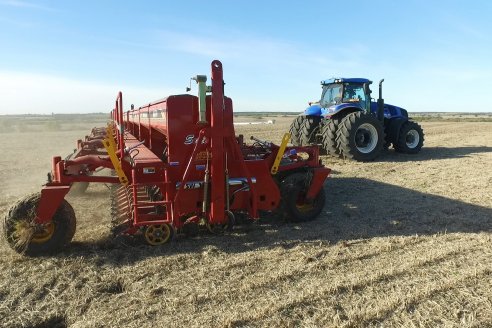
178	168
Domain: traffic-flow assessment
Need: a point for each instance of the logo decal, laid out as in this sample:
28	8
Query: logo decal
189	139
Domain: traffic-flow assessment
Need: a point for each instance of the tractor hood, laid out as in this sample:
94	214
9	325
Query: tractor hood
317	110
390	111
314	110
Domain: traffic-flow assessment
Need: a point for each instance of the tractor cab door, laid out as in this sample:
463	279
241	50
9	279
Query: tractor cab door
332	95
356	93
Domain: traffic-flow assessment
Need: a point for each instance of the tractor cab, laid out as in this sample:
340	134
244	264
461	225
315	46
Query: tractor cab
340	93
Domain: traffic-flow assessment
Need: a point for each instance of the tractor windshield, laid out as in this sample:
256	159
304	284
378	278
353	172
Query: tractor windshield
354	93
332	95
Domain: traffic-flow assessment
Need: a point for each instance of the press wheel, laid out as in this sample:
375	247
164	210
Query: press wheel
158	234
221	228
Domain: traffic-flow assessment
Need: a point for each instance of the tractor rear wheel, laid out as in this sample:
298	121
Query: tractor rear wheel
309	129
295	130
329	133
27	237
294	205
411	138
360	137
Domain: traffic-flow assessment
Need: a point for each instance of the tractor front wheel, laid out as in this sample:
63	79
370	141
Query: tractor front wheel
360	137
294	205
309	129
411	138
27	237
329	133
295	130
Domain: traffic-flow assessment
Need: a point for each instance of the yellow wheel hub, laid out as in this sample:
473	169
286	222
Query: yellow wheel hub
304	207
44	233
158	234
37	234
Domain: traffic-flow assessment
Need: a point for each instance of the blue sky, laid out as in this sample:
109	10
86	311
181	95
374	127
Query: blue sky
74	56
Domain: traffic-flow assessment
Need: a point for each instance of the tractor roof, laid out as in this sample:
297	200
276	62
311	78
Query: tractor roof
345	80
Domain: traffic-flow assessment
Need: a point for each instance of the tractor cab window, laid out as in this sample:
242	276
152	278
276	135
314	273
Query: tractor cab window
332	95
354	93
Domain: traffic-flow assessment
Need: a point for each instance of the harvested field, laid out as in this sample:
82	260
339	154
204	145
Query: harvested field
403	241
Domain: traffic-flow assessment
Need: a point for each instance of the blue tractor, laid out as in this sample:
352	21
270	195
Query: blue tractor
346	122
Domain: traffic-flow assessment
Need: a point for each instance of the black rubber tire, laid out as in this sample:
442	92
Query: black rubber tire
352	135
295	130
407	142
190	229
309	130
24	212
387	136
292	190
329	139
218	229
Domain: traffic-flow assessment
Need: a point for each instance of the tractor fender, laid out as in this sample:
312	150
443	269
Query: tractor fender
342	110
313	110
393	127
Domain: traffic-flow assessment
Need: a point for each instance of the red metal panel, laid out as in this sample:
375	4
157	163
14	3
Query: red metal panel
51	198
171	124
319	177
217	199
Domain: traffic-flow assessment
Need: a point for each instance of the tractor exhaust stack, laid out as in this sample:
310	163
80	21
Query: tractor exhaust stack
380	113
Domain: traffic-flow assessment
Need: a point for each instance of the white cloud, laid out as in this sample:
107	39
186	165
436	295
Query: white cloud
22	93
265	52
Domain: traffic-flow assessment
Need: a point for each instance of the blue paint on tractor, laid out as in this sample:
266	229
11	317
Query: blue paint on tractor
390	111
313	110
341	97
345	80
345	104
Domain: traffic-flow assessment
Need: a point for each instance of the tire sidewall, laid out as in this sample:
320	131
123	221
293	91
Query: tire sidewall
402	140
307	133
329	132
291	187
351	129
63	219
295	130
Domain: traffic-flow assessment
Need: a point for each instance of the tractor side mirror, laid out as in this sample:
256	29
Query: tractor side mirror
367	90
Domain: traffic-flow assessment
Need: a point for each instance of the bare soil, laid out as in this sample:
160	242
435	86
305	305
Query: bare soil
402	241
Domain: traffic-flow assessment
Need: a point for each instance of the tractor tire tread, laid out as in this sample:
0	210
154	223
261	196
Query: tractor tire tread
329	133
401	144
346	136
295	129
309	127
